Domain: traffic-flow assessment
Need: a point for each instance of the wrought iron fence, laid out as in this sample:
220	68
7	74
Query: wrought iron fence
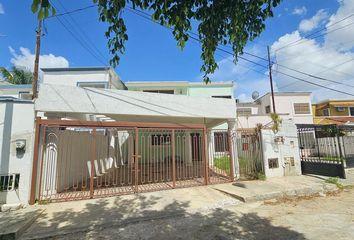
80	162
9	182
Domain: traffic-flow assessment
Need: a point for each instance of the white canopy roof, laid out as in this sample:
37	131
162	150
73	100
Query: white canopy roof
67	99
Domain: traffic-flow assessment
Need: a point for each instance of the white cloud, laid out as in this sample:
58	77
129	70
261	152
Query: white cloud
307	25
299	11
331	58
26	59
312	57
343	38
2	10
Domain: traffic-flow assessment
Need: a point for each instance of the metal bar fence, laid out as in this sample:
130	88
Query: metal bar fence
81	162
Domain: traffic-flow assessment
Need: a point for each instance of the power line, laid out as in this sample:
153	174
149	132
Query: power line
313	76
314	33
85	36
80	42
73	11
316	84
78	38
223	50
220	49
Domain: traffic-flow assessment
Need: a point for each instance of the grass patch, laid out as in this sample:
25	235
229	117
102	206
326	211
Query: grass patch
330	158
335	181
223	163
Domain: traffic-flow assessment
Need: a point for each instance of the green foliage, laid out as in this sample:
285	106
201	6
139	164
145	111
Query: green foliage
16	75
231	23
223	163
334	180
261	176
276	122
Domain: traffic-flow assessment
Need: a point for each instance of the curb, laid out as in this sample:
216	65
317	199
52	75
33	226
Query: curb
301	192
17	232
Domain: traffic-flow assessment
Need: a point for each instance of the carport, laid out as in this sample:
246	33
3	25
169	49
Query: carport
101	142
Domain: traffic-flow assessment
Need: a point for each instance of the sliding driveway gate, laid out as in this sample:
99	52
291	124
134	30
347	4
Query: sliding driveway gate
81	160
322	149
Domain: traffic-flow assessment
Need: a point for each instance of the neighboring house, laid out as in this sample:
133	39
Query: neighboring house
340	112
11	91
197	89
96	77
289	105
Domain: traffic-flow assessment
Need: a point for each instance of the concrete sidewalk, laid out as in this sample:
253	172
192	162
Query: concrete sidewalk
69	217
251	191
14	223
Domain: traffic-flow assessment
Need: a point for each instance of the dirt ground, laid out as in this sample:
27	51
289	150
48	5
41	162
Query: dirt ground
321	217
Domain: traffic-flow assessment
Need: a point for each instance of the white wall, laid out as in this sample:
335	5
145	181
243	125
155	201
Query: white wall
290	148
71	78
285	104
17	122
253	120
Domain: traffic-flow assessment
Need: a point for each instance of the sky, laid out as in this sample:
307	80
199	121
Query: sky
309	37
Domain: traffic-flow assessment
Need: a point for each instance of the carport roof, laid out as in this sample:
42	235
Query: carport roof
68	99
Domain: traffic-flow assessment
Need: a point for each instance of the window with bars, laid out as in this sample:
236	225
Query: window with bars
302	108
9	182
244	111
273	163
267	109
221	142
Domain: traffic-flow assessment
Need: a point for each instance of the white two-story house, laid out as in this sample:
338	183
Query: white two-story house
288	105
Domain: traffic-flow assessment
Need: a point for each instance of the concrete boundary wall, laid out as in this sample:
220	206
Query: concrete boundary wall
17	123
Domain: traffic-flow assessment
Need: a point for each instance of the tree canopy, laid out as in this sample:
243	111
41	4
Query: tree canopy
219	22
16	75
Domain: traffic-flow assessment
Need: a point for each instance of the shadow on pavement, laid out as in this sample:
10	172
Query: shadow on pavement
147	217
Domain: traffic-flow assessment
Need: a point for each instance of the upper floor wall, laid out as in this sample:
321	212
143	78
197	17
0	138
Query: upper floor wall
292	106
217	90
97	77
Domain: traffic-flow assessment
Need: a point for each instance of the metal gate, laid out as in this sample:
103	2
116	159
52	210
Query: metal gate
321	150
81	160
250	157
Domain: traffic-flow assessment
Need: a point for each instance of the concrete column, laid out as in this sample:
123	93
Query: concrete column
234	156
210	144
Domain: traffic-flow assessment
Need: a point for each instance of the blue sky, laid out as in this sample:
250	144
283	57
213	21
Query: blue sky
152	55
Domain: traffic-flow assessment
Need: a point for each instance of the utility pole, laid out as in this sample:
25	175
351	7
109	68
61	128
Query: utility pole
271	79
36	60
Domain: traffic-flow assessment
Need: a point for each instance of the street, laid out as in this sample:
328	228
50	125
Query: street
321	217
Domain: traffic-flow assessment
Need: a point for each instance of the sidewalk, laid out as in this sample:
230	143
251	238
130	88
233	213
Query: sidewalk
69	217
252	191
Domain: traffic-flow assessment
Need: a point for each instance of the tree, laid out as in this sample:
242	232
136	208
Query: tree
219	22
16	75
